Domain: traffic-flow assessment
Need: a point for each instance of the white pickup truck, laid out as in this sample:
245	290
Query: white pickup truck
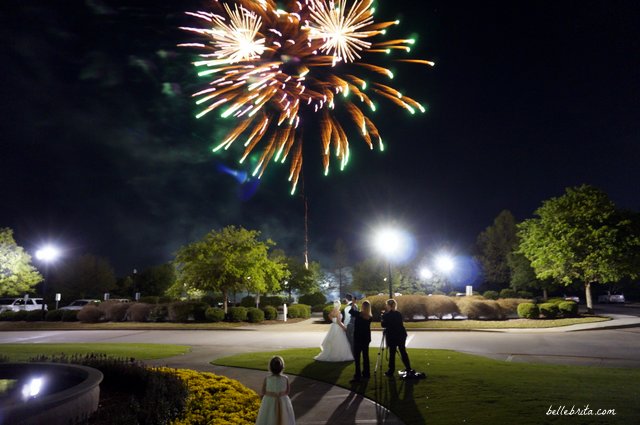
18	304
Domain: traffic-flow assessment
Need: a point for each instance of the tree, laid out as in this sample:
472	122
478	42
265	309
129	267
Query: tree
154	280
523	277
85	276
495	244
301	279
231	259
17	275
581	236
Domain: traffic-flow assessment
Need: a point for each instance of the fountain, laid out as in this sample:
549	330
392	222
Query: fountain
47	393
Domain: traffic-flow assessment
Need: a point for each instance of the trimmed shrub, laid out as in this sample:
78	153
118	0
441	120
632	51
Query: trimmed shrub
555	300
114	311
508	293
159	313
70	316
549	310
298	311
275	301
34	315
6	316
412	305
198	309
54	315
89	314
325	313
441	305
491	295
179	311
138	395
270	313
139	312
214	314
317	298
476	309
317	308
237	314
568	309
528	311
248	301
20	316
255	315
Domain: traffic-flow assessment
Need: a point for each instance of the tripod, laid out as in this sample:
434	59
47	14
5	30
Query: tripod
380	351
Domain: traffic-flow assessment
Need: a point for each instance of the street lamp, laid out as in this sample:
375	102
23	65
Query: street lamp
389	242
445	264
47	254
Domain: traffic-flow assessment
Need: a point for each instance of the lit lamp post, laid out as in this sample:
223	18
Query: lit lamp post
389	243
47	254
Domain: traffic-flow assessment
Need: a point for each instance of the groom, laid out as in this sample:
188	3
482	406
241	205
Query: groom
347	319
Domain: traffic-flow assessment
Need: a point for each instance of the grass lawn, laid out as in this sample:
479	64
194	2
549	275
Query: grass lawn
467	389
23	352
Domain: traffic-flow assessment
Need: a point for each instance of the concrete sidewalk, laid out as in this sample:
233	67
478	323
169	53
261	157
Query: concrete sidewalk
314	402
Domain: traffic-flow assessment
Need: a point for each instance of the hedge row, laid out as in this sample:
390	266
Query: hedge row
179	311
549	310
420	307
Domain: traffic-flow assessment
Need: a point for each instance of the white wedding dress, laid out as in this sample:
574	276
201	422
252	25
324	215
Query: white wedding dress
335	346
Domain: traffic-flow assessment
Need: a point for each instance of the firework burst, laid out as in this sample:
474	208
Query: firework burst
267	66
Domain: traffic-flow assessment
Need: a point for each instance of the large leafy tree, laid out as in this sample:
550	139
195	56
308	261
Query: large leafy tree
523	277
370	276
301	278
581	236
154	280
17	275
494	245
232	259
84	276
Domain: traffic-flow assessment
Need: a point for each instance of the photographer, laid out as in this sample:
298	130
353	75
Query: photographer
396	336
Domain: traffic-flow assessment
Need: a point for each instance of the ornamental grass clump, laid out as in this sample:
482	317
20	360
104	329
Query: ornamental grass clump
216	400
114	311
139	312
412	307
441	305
476	309
90	314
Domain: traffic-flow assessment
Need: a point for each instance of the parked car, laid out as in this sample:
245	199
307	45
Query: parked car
611	298
572	298
78	304
18	304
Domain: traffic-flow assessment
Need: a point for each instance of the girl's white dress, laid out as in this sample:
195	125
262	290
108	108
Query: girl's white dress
335	347
276	410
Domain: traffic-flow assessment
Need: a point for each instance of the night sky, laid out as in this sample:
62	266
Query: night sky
102	154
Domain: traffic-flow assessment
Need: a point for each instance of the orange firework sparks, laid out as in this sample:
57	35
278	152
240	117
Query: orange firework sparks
269	66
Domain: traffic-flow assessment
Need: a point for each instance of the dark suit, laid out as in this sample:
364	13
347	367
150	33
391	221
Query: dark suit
361	340
396	336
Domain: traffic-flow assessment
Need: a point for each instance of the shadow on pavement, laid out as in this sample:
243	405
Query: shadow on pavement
303	405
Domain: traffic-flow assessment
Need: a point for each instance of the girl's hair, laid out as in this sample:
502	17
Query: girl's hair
366	309
276	365
336	305
392	303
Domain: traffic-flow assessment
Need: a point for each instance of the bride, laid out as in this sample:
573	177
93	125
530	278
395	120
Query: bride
335	347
